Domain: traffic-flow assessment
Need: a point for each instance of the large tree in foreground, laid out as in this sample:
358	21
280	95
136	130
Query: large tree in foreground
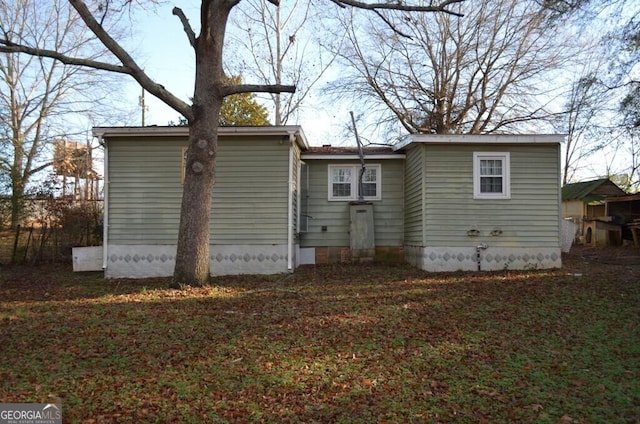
202	115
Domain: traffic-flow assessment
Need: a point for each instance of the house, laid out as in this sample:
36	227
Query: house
347	222
254	207
442	203
482	202
584	204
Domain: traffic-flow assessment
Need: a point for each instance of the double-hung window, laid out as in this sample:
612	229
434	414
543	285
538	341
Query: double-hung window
491	175
344	182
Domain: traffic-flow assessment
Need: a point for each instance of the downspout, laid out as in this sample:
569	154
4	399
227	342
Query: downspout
292	139
105	206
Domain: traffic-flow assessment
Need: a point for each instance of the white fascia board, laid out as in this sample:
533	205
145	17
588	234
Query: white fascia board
404	142
482	139
182	131
115	132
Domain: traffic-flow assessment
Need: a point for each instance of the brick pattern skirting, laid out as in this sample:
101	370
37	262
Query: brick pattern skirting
342	254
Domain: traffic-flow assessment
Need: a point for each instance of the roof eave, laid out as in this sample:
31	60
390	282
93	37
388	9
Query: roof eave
480	139
353	156
183	131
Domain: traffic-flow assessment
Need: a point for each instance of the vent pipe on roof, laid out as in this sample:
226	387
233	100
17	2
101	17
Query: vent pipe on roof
361	154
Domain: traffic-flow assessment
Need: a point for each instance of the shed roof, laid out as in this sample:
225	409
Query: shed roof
591	191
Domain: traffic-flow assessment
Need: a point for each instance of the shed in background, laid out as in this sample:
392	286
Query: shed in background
625	210
584	204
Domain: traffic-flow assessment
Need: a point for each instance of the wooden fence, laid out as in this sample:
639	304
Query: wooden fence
41	244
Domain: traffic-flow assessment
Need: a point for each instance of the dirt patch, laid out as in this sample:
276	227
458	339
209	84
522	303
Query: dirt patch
616	263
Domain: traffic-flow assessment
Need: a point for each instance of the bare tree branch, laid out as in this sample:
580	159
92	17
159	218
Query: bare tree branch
41	168
257	88
475	75
134	70
7	46
185	24
283	49
399	6
391	25
442	7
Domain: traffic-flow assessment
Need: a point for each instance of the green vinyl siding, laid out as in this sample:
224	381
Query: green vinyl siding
388	212
414	196
250	194
249	203
529	218
144	190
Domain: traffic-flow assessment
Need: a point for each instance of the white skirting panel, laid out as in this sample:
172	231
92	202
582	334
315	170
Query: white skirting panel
142	261
306	255
87	258
248	259
445	259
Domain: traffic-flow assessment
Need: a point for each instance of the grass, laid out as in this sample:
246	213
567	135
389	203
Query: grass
337	344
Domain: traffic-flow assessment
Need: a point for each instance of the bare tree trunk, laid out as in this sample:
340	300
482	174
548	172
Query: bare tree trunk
17	198
192	255
16	208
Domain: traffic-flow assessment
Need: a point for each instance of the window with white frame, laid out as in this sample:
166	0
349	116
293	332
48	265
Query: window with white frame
491	175
344	182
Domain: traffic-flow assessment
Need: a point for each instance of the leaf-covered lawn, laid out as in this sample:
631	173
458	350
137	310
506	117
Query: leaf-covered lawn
329	344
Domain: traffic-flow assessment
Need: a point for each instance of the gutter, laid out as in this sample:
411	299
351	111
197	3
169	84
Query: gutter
292	139
105	205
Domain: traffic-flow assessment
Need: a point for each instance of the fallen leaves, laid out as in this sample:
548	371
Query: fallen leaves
328	344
